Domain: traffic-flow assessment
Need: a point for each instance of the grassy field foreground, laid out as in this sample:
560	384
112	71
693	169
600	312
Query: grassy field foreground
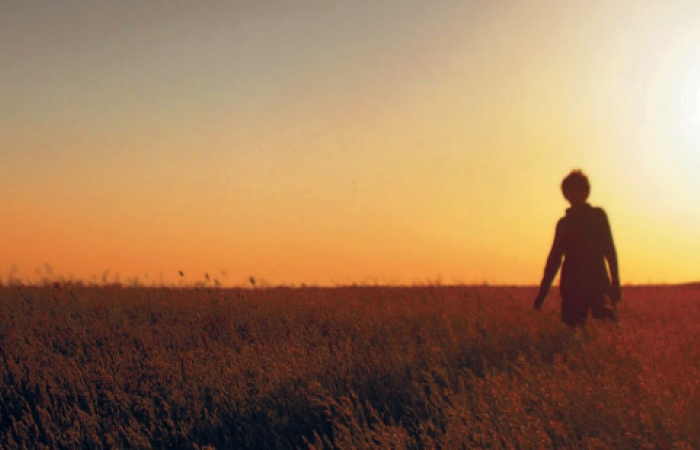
419	367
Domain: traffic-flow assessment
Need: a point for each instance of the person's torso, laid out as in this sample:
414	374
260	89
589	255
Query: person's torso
584	233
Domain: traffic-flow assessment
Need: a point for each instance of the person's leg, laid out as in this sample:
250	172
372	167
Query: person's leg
574	309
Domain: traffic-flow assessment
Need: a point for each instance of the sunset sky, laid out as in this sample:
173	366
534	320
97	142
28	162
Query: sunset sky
333	142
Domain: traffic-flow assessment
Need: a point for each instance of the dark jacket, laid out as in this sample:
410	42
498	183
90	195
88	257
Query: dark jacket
584	240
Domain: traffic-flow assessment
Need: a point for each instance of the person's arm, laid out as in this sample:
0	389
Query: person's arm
551	268
611	256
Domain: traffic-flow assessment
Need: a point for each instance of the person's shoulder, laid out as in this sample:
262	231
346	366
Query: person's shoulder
598	211
561	223
599	215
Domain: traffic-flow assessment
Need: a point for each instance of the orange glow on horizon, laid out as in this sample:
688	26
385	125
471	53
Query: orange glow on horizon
323	144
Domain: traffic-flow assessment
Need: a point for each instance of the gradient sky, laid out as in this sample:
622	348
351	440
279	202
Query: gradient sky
331	142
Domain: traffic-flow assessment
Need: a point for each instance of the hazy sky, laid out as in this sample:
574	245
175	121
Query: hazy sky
320	141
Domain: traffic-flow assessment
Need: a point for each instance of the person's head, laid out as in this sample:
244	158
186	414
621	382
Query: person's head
576	187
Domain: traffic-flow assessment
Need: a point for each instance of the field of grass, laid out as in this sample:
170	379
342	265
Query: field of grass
354	367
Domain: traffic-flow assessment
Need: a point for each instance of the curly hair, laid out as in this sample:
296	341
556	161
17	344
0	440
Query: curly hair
575	186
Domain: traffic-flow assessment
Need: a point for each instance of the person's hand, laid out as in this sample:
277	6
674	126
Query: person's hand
538	302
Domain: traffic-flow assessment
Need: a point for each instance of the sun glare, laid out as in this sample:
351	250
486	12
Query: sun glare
675	115
690	103
687	66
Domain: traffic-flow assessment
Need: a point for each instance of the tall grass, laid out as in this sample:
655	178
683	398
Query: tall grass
442	367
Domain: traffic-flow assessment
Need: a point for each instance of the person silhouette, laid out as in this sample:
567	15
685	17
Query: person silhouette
583	238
